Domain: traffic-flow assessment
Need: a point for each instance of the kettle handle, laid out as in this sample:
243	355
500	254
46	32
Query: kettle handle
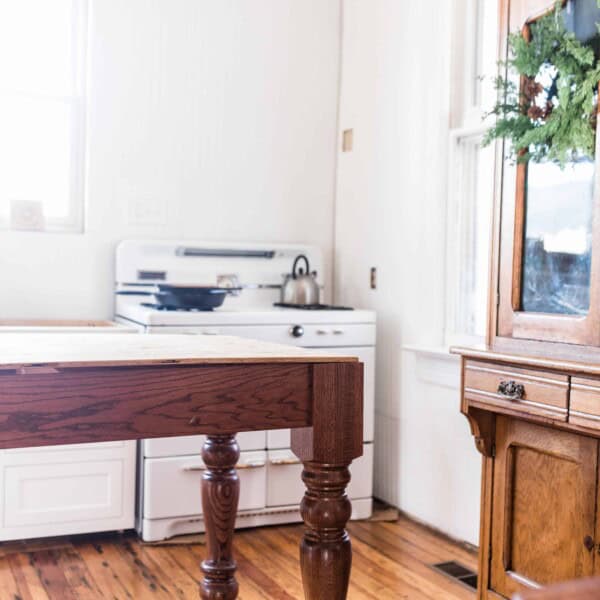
298	259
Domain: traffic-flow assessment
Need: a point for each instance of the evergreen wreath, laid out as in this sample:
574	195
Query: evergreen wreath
551	115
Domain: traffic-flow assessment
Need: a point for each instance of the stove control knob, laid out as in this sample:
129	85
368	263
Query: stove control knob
297	331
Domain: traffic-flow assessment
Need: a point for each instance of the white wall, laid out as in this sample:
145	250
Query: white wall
207	120
391	207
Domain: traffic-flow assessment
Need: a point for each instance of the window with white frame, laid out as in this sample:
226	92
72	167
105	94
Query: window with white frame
42	114
471	170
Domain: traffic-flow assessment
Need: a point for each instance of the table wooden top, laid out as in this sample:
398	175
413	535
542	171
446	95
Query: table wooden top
56	350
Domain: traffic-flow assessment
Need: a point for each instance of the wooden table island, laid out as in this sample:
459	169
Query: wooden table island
78	388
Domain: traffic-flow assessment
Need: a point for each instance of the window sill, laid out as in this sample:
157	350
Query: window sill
434	365
442	352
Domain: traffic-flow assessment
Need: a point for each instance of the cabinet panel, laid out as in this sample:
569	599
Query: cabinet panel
543	516
585	403
533	392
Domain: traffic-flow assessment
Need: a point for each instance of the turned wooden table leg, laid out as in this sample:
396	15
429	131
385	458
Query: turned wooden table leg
325	551
220	495
326	450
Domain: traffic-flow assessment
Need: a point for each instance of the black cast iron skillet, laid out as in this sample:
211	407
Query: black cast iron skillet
185	297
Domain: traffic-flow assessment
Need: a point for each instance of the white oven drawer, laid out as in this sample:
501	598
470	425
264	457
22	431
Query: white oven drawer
74	490
285	487
192	444
349	334
172	485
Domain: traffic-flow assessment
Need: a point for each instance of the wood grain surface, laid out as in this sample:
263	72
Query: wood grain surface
583	589
542	360
114	349
337	415
327	449
391	562
220	496
108	404
544	506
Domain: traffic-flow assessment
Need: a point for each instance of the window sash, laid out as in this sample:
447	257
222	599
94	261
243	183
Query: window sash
74	219
468	237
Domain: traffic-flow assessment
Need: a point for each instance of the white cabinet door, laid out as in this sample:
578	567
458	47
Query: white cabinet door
62	490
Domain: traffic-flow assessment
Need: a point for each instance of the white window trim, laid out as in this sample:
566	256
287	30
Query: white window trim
74	222
466	126
456	203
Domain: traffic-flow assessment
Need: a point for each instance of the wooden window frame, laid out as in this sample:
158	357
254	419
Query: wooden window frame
543	327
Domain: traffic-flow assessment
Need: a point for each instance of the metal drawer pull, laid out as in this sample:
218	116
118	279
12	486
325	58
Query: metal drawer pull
511	390
321	332
338	331
284	461
241	466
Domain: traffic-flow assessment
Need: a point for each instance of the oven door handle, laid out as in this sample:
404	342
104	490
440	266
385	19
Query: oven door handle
239	467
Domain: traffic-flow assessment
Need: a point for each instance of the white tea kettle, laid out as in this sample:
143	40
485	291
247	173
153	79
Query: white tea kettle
300	286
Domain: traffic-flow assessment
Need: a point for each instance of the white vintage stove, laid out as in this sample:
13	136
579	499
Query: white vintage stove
170	469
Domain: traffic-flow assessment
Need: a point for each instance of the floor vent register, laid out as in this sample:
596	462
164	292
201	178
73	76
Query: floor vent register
459	572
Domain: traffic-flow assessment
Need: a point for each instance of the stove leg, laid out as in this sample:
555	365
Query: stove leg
220	494
325	551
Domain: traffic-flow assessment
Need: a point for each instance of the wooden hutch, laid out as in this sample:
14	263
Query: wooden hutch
532	394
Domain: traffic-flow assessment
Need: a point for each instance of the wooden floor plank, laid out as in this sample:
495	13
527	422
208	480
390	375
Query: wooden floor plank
8	586
417	574
391	562
28	582
412	560
105	577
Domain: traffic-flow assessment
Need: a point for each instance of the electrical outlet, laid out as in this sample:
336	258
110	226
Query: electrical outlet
373	280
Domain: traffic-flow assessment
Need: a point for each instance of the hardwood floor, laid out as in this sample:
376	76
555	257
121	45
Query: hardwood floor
391	562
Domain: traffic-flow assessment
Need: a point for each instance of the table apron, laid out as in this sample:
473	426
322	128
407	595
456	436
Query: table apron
80	405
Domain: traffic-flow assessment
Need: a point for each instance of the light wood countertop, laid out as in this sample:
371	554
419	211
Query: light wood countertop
59	351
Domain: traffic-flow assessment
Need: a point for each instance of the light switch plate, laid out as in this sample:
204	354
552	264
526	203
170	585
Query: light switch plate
147	210
348	140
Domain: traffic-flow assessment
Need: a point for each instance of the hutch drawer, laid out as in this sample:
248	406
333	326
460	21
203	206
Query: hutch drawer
511	390
584	409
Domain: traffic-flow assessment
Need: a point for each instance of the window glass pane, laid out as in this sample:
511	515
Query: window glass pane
36	46
35	153
558	205
558	236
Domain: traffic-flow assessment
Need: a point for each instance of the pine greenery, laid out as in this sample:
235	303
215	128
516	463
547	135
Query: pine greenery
552	114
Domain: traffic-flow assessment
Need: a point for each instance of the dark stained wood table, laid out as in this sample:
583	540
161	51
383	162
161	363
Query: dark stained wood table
78	388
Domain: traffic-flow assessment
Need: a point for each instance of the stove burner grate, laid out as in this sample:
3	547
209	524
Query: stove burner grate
168	308
312	306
